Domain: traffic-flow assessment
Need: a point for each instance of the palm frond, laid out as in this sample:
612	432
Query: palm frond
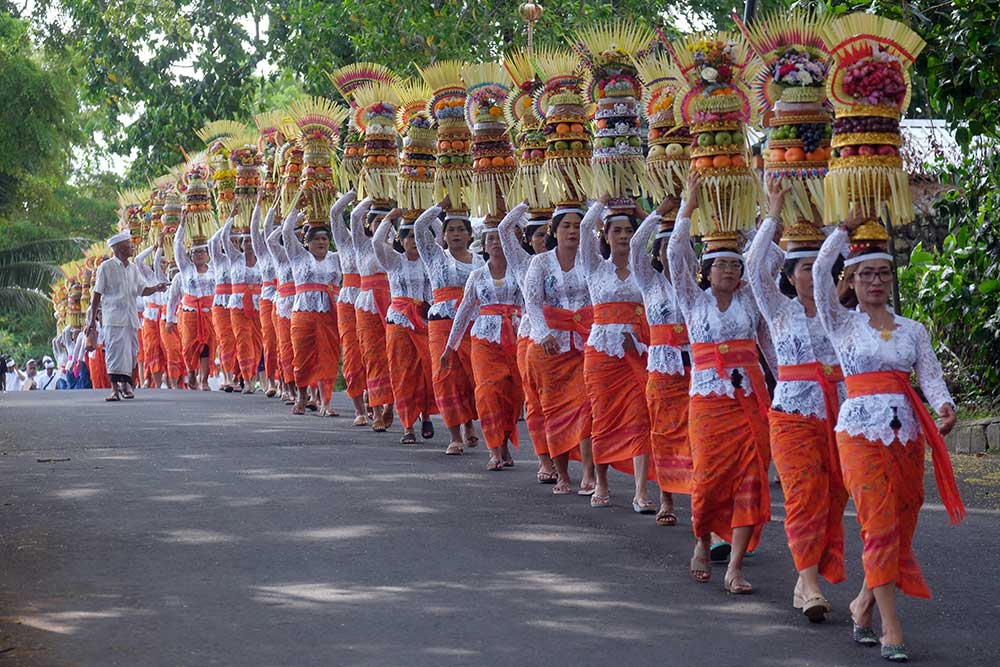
42	251
21	301
28	275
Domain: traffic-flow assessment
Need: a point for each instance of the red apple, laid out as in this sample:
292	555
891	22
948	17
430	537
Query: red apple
886	150
848	151
866	150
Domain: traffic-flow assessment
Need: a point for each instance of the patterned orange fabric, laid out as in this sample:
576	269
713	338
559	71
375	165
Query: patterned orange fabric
226	340
378	283
887	487
667	401
454	389
155	360
730	456
617	392
624	312
196	331
454	293
562	319
270	338
533	416
350	348
565	404
410	368
171	341
499	396
98	368
248	340
730	354
674	335
286	353
316	347
371	334
814	491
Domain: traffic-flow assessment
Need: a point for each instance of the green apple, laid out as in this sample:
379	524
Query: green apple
576	146
674	150
635	142
561	146
723	138
706	139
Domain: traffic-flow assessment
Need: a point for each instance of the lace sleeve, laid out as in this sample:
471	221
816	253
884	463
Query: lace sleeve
341	235
590	254
293	248
831	313
158	274
766	344
226	238
256	239
385	254
431	253
183	263
639	260
680	256
277	251
517	256
929	373
174	295
769	299
358	238
215	249
534	291
140	261
467	311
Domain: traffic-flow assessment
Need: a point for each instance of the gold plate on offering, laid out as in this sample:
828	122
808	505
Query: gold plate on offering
856	138
883	161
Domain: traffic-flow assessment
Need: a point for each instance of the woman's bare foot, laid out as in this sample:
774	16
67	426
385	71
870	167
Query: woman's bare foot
701	565
862	610
736	583
563	487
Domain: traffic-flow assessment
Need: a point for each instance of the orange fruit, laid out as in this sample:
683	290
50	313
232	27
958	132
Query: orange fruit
602	123
421	171
777	155
508	161
577	128
721	161
703	163
795	155
562	128
737	161
457	145
498	161
654	134
444	145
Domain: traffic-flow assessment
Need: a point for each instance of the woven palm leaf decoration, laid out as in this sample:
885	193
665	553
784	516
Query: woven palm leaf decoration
221	172
319	122
527	133
669	140
247	161
487	86
197	206
270	140
415	189
447	107
376	115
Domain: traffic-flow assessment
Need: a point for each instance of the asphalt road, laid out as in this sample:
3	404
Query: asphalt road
211	529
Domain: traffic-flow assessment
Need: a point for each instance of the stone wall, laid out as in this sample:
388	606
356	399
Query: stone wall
975	437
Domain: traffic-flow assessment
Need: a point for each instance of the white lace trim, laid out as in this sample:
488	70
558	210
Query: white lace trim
548	285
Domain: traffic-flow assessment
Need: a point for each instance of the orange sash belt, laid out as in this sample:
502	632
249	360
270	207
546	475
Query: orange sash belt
378	283
827	377
508	339
411	309
223	288
286	290
352	280
202	305
453	293
740	353
562	319
247	290
898	382
624	312
674	335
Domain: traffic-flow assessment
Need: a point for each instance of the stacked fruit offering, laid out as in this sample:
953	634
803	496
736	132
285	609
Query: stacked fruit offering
269	142
377	116
319	121
454	156
526	129
669	143
354	158
868	133
493	157
618	144
416	164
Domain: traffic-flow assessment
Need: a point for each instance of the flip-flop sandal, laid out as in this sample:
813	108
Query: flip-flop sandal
864	635
646	507
816	608
666	519
298	410
471	441
562	489
378	427
360	420
734	588
427	430
227	389
600	502
719	553
408	439
494	465
587	490
128	397
547	477
330	412
454	449
114	398
270	393
700	574
895	652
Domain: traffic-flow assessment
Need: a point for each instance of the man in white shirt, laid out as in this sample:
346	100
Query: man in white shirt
118	283
13	377
48	379
29	376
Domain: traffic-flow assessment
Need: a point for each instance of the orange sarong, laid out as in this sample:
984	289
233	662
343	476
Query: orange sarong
172	350
410	369
730	457
225	339
617	392
316	347
98	368
815	497
249	340
454	389
667	400
350	348
196	331
270	338
566	406
371	335
887	487
533	415
498	391
286	353
155	360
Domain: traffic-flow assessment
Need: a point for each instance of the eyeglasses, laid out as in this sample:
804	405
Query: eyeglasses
869	275
726	266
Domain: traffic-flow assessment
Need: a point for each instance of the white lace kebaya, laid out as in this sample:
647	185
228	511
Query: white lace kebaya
307	270
517	257
443	270
220	265
798	339
365	257
407	278
546	284
283	272
482	289
348	258
659	297
268	276
606	287
194	284
239	272
862	349
706	323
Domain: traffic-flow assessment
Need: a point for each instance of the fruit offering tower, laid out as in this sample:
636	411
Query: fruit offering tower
346	80
669	142
415	189
199	222
271	139
486	87
527	133
454	156
220	170
376	115
567	173
715	70
130	214
247	161
869	87
288	163
319	121
791	95
607	53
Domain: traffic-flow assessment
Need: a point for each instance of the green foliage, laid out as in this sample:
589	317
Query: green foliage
956	292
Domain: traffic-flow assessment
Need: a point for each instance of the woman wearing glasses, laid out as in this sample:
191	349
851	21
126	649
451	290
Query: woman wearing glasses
883	424
729	400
